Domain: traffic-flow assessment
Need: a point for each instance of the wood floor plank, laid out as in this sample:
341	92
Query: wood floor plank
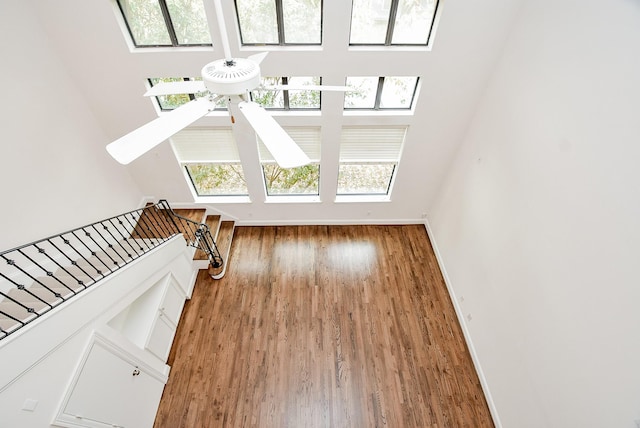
323	326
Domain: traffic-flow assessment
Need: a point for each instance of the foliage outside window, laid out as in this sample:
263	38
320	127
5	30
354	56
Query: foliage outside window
211	160
392	22
280	22
170	102
211	179
302	180
155	23
288	99
369	158
380	93
365	178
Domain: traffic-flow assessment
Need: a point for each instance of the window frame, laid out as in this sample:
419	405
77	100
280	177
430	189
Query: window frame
207	146
363	153
285	96
168	22
391	23
386	193
309	139
378	99
195	189
292	195
280	29
192	96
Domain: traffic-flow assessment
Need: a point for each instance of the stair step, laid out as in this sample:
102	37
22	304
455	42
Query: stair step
223	242
213	222
148	225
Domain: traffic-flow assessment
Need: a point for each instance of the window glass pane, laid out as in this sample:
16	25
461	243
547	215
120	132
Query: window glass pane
269	98
258	23
145	21
292	181
397	92
302	22
189	22
170	102
369	21
304	99
363	94
224	179
365	178
413	21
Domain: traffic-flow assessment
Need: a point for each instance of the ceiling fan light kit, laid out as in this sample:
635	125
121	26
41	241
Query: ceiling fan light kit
231	77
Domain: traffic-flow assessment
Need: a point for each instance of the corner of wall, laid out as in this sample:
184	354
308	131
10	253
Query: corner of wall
463	325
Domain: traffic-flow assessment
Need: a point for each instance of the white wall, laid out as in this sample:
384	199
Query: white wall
55	173
538	219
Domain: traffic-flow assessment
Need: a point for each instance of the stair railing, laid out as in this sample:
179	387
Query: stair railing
37	277
197	235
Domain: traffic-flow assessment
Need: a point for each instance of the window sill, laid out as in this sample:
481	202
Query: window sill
391	48
362	198
169	49
289	199
222	199
381	112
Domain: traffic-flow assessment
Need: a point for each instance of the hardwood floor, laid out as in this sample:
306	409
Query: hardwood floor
323	326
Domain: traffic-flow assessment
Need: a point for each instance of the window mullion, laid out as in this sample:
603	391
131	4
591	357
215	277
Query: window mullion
376	105
285	93
167	20
393	11
280	20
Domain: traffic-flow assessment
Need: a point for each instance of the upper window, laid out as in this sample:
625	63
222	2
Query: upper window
280	22
170	102
155	23
392	22
380	93
288	99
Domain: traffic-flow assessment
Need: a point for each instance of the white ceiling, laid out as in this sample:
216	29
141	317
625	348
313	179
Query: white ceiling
88	38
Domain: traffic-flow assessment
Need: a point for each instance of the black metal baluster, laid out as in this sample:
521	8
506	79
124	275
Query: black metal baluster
21	287
36	280
138	241
124	239
73	262
109	245
51	273
98	271
156	234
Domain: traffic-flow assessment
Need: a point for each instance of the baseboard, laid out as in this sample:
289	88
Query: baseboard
336	222
465	329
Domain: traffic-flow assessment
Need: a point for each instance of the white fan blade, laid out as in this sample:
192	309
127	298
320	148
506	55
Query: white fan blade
173	88
143	139
257	58
309	88
284	150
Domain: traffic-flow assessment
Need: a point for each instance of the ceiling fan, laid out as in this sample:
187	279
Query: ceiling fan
229	78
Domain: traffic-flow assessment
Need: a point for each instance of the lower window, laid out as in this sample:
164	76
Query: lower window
302	180
217	179
360	178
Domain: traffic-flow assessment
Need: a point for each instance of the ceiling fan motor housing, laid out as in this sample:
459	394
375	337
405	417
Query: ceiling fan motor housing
231	77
